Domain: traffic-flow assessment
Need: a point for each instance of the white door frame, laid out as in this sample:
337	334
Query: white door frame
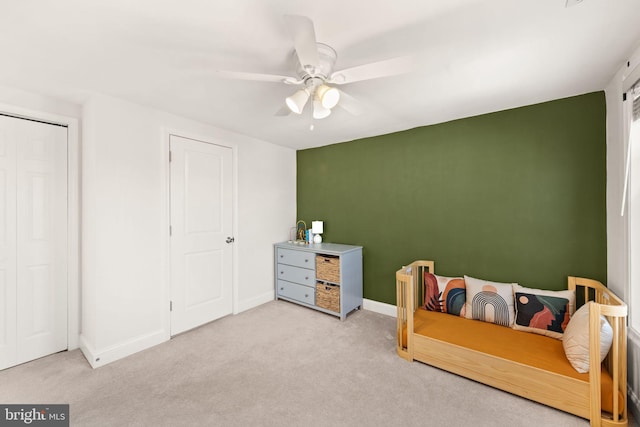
166	250
73	211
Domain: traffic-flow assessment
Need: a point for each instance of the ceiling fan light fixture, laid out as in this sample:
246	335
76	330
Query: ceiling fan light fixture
297	101
329	96
319	112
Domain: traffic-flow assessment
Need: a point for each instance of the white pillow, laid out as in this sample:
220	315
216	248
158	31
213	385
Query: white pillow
489	301
576	339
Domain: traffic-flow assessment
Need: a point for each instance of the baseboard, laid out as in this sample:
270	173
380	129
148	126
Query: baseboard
633	380
87	350
633	383
380	307
367	304
634	408
97	358
254	302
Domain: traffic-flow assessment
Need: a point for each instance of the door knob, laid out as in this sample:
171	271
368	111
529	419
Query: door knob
230	239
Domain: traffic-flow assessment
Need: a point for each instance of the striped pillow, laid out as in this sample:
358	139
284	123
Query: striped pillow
489	301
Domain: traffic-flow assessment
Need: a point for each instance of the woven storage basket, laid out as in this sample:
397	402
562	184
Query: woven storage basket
328	268
328	296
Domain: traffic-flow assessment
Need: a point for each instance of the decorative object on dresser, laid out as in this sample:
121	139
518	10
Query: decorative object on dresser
324	276
301	231
317	228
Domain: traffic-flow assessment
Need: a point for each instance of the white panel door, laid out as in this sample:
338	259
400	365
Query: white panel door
201	224
35	222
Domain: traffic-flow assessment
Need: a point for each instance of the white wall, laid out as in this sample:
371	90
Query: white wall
618	226
125	222
36	102
266	212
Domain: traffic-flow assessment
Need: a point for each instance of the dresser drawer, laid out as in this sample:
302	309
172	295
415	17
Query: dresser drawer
290	273
297	292
297	258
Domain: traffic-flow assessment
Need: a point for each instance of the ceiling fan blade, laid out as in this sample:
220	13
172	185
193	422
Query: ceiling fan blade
240	75
350	104
373	70
303	34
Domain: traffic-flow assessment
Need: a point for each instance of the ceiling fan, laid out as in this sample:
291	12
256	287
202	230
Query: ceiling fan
314	72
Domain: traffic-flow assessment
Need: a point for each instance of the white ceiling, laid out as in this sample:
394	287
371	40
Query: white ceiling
471	56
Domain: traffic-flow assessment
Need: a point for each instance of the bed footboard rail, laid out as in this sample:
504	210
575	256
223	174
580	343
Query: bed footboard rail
409	280
606	304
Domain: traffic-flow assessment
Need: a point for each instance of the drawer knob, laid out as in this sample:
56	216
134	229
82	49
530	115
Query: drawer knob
306	295
282	272
282	289
306	278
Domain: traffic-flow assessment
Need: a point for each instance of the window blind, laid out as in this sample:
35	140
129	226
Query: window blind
634	94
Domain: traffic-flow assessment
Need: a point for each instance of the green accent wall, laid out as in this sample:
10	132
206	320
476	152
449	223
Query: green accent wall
513	196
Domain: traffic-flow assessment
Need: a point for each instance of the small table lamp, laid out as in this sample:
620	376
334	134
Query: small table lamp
317	229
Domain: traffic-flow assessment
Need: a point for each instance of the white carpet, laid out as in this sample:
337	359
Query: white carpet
276	365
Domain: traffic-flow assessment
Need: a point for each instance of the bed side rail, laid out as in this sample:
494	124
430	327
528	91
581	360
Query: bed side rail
615	311
408	290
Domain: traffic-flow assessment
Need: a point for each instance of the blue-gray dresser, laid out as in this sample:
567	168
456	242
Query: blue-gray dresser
324	276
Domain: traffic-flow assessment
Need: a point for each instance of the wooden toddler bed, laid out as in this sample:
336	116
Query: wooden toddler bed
526	364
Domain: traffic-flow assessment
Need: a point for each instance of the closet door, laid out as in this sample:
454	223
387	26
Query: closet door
35	225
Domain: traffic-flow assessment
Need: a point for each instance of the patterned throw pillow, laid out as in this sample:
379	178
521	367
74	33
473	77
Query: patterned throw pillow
543	312
444	294
489	301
